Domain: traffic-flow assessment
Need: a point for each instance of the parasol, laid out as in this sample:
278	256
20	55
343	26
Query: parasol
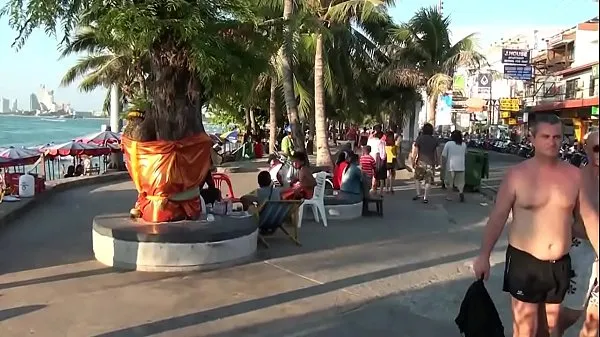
100	138
77	149
231	136
5	163
19	155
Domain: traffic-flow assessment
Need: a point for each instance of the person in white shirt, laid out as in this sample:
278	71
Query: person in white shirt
378	153
453	160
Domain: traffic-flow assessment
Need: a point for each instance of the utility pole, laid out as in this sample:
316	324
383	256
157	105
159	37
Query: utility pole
441	7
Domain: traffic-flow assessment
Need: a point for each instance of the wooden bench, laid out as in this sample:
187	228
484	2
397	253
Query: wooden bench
378	201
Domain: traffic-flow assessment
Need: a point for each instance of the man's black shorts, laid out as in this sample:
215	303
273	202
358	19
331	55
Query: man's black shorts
531	280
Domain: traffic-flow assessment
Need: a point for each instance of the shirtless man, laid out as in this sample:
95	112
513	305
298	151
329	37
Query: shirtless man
583	256
542	193
590	177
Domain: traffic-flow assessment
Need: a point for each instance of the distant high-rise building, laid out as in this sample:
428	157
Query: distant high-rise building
15	106
46	99
5	106
33	103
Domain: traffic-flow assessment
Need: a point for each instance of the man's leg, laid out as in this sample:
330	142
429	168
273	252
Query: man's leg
552	313
525	318
566	319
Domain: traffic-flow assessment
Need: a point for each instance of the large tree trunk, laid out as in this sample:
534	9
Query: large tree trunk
166	183
432	101
253	121
323	154
273	116
247	118
285	53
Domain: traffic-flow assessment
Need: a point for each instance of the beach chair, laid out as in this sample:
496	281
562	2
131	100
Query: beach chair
273	214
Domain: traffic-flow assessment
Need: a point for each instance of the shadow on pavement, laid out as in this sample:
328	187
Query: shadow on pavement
59	231
205	316
425	312
18	311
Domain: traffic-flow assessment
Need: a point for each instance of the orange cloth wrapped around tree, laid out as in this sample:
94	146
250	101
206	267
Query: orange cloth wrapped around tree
166	170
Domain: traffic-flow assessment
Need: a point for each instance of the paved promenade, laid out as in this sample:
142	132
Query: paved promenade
403	275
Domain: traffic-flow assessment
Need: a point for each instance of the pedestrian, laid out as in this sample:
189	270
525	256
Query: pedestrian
453	164
287	144
368	167
378	153
424	159
391	152
542	194
583	289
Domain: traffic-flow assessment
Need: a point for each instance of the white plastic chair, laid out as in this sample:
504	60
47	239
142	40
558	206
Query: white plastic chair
316	203
327	176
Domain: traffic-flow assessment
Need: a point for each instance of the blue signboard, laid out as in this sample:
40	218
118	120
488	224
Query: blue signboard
518	72
516	56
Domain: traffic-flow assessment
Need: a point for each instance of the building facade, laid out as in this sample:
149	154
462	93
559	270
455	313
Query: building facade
566	79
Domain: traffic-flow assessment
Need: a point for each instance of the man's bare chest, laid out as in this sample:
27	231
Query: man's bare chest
539	192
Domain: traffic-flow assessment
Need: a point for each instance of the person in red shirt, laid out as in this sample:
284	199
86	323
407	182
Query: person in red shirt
340	166
368	166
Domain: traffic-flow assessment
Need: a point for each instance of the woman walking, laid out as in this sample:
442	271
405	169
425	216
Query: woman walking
391	153
424	159
453	164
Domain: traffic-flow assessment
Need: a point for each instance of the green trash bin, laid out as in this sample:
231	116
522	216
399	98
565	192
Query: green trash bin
476	168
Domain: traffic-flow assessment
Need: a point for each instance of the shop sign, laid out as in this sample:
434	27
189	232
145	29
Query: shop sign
509	104
512	121
516	56
504	114
594	111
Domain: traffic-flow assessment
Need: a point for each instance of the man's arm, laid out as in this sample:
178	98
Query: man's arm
414	154
505	200
589	215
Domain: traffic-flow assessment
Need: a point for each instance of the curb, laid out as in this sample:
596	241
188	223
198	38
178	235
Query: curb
26	205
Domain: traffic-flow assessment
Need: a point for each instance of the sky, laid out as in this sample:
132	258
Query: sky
38	62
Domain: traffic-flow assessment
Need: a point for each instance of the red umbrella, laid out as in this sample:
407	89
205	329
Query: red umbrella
114	147
5	163
77	149
100	138
19	155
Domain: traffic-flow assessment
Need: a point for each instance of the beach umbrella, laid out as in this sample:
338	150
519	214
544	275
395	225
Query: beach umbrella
114	147
19	155
5	162
231	136
100	138
77	149
16	153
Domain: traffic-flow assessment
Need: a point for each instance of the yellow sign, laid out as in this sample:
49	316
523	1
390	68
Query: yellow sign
509	104
512	121
504	114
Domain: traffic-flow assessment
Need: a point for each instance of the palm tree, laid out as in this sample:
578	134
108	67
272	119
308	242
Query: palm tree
329	16
421	55
106	63
286	57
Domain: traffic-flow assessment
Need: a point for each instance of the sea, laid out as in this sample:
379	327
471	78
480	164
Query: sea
25	131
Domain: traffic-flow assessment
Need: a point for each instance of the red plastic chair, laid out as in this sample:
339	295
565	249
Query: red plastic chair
219	179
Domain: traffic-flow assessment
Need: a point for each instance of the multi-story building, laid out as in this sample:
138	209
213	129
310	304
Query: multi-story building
5	106
34	104
566	78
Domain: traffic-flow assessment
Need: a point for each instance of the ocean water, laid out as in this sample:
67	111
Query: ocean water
32	131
